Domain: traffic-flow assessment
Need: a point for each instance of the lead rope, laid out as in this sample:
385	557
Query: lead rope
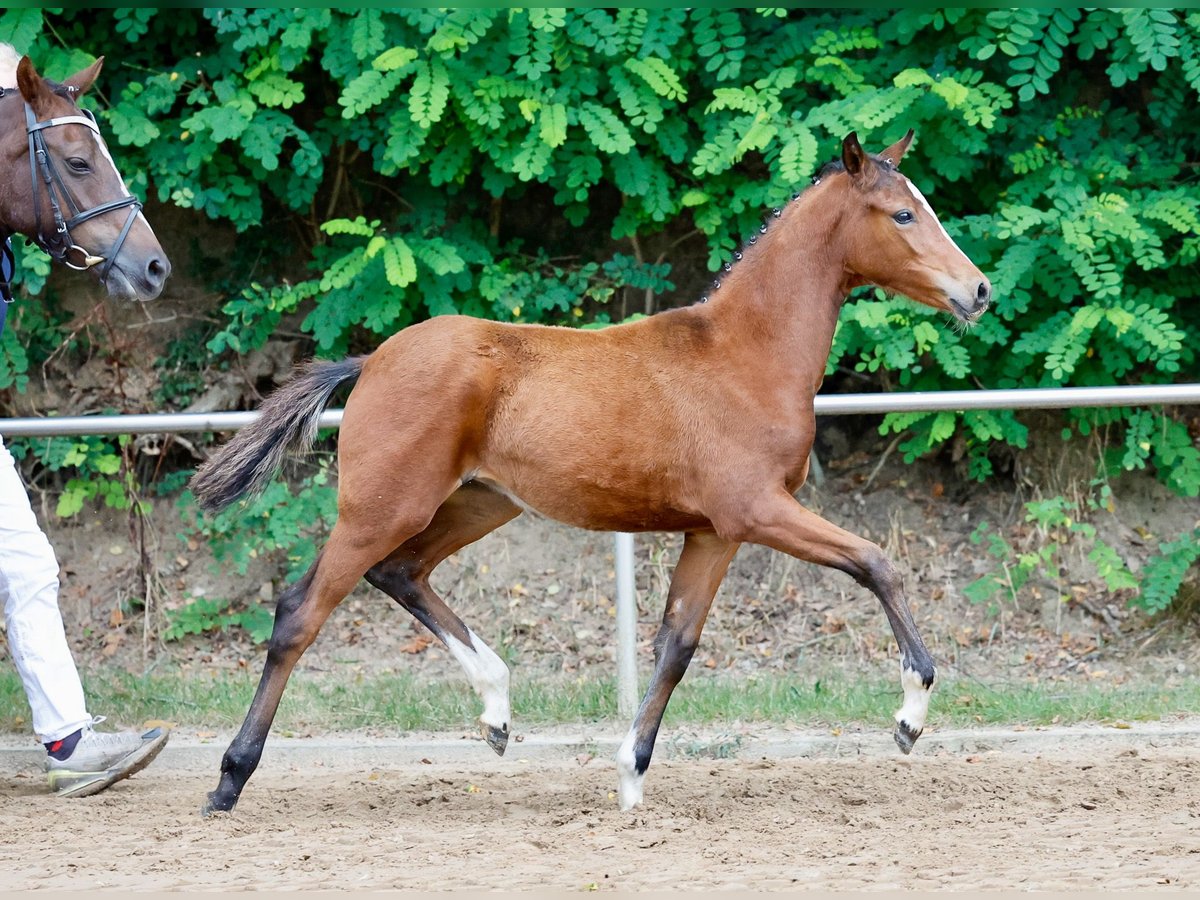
8	268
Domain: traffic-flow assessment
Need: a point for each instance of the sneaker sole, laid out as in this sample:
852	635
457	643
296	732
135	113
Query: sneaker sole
97	781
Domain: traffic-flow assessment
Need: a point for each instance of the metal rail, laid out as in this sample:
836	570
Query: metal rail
825	405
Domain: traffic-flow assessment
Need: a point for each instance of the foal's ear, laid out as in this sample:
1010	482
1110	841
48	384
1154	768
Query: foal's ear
33	89
854	157
895	153
83	79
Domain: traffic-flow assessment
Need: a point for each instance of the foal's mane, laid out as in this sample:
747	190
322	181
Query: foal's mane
836	165
751	246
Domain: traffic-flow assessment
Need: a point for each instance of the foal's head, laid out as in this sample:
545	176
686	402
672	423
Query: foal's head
84	177
894	239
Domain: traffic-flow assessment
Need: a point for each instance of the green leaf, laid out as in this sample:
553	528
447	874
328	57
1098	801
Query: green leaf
430	91
368	90
399	263
21	27
395	58
358	226
607	132
553	124
659	76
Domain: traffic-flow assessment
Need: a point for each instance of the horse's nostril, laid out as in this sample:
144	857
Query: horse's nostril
983	293
157	270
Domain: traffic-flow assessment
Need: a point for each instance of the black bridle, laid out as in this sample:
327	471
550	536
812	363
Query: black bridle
59	243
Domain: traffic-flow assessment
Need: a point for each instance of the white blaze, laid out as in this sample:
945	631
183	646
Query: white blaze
124	190
920	198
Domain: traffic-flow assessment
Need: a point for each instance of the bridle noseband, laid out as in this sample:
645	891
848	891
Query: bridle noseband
42	170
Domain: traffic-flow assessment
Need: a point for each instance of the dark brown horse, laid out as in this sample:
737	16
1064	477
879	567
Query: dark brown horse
60	188
697	420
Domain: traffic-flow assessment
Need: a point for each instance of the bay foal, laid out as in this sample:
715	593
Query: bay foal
698	420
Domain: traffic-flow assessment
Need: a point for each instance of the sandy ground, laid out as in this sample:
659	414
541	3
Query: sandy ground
1064	809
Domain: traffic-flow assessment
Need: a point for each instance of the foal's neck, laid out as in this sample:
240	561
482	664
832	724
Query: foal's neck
783	297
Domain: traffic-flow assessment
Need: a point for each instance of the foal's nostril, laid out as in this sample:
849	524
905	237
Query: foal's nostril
983	294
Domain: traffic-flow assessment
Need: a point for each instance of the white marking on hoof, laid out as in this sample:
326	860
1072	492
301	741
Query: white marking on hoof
488	676
916	700
629	783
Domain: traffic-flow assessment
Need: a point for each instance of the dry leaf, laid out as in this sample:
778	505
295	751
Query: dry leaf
417	644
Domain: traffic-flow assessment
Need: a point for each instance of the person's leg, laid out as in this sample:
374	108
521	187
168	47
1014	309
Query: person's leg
79	760
29	588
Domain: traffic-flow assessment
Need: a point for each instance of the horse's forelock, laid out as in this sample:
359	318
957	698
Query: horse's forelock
9	57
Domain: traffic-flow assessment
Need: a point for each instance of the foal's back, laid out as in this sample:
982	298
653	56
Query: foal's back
606	429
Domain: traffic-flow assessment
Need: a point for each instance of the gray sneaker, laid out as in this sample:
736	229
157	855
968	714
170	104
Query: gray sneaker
101	759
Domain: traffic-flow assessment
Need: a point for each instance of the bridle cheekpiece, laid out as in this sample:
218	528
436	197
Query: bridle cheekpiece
43	171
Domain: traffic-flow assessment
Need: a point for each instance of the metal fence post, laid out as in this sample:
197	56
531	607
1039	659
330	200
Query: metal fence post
627	684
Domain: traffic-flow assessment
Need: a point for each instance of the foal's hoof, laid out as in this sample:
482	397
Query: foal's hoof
905	737
497	738
215	804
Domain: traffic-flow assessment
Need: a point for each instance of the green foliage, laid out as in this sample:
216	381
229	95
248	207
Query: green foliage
1164	573
510	163
98	464
1059	524
201	615
283	522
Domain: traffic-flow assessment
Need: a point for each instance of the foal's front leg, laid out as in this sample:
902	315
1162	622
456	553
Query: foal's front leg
698	574
780	522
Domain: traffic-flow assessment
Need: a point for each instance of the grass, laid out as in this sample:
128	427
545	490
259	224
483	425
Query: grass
397	703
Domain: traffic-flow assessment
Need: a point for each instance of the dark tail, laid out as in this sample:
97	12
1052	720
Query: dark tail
288	421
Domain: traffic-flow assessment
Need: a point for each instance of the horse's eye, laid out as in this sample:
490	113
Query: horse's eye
904	217
78	165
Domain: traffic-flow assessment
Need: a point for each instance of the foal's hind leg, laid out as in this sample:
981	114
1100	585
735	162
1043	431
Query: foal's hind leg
299	615
780	522
467	515
698	574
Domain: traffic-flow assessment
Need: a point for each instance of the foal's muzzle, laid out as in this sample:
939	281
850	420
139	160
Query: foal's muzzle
972	309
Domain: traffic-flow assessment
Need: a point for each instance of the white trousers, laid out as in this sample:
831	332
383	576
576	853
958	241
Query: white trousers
29	589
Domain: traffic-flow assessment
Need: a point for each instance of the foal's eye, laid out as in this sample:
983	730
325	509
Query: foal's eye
904	217
78	165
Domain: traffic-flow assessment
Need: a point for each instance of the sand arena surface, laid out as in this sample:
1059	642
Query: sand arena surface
1060	809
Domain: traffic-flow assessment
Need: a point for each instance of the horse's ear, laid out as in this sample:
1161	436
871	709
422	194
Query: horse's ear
33	88
83	79
854	157
895	153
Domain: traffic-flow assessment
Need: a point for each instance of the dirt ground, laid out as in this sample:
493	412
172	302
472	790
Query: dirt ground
1056	814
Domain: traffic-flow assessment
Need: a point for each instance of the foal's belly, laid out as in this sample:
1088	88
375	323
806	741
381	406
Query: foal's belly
594	507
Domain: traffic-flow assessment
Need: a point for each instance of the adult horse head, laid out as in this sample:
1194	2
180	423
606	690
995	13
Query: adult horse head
60	188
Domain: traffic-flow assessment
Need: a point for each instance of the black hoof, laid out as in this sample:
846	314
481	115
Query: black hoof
905	737
214	804
497	738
